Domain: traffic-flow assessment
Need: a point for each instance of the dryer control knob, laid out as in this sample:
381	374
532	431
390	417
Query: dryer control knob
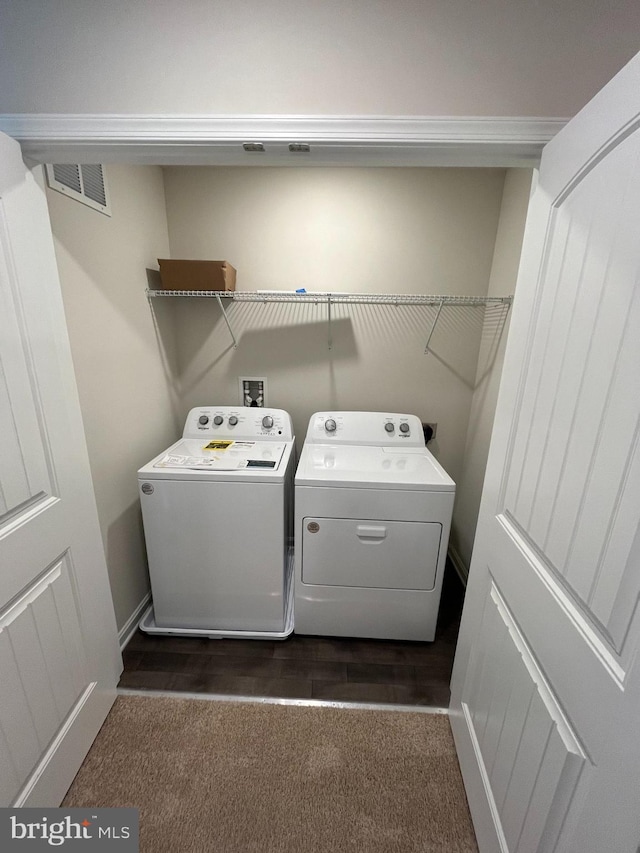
203	420
404	427
389	427
267	422
218	420
233	420
330	425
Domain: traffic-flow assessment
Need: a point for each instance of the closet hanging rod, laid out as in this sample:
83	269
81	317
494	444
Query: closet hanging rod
334	298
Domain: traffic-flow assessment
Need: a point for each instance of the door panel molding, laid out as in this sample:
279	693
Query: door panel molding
25	455
42	661
17	515
554	709
553	591
530	756
573	606
571	476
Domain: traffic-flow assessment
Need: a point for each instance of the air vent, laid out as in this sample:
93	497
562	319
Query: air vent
85	183
68	176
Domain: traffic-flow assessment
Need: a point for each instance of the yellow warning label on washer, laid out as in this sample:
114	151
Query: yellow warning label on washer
218	445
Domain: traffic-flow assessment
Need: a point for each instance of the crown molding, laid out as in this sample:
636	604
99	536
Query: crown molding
334	140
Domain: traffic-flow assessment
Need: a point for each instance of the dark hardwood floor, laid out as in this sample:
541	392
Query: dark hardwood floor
327	668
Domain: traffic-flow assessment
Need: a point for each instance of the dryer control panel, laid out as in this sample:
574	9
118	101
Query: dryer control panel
365	428
238	423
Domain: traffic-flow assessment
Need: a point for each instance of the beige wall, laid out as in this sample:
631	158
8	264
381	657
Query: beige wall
126	396
376	57
504	271
360	230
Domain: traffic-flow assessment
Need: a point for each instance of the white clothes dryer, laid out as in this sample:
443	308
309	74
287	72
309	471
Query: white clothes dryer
372	518
217	512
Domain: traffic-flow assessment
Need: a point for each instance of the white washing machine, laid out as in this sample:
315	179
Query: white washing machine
217	512
372	518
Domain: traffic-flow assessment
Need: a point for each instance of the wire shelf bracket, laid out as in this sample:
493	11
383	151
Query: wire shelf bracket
433	327
226	319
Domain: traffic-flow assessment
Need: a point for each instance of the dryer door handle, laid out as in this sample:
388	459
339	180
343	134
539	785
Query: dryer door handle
371	532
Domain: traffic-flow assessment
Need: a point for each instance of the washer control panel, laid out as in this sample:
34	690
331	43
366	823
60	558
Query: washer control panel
367	428
238	423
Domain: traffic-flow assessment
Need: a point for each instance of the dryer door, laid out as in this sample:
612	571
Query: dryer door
370	553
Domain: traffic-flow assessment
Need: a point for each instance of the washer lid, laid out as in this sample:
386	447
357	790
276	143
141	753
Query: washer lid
219	459
357	466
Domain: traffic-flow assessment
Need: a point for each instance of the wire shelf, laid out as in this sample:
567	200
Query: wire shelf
337	297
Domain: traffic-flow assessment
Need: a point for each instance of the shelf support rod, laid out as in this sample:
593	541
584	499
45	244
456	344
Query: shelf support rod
329	337
226	319
433	327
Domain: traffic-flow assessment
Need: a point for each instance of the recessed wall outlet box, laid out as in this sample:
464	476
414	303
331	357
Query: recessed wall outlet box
253	391
429	426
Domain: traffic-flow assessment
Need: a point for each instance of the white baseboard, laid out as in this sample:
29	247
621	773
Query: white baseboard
129	628
458	564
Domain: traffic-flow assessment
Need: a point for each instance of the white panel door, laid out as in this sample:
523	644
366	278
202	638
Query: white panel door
59	655
546	683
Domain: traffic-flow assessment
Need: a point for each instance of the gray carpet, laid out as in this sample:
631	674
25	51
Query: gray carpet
249	778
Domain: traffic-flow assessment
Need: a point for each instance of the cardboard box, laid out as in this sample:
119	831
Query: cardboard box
196	275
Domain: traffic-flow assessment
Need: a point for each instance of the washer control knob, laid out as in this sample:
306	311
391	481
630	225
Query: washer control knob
233	420
330	425
203	420
404	428
267	422
389	427
218	420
